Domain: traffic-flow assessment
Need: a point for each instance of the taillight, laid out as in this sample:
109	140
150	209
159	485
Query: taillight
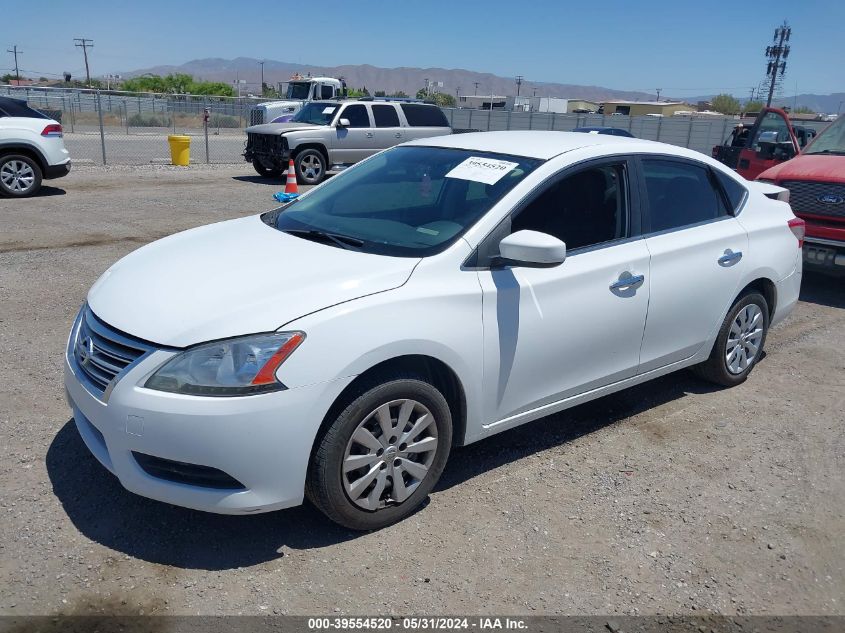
52	130
797	226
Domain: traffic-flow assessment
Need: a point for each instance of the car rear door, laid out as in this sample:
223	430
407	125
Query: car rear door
389	130
697	250
772	141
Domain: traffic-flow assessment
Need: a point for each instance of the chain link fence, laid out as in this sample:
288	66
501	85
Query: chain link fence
108	127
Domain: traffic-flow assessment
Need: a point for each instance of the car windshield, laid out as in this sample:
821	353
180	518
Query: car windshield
298	90
405	202
831	141
316	113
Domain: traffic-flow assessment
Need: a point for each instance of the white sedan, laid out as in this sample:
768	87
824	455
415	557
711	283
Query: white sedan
433	295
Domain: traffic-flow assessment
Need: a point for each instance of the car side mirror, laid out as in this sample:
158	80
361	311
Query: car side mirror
531	249
343	123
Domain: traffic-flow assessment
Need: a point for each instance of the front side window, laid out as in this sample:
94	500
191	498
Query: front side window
326	92
405	202
299	90
385	116
357	115
584	209
680	194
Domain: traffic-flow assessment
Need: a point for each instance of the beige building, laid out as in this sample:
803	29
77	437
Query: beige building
640	108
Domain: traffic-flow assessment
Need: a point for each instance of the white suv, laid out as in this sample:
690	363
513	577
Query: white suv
31	149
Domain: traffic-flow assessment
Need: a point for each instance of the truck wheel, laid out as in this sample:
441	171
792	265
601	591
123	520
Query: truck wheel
310	167
382	455
264	172
20	176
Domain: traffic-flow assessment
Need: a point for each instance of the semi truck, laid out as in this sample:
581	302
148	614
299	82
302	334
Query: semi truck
299	91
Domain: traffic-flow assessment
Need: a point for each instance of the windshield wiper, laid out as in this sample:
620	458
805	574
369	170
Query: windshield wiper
829	151
344	241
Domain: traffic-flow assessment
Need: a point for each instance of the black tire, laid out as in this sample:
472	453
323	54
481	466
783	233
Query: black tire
265	172
9	164
324	486
311	166
715	368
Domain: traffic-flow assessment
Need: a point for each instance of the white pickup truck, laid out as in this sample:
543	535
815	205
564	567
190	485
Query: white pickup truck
300	90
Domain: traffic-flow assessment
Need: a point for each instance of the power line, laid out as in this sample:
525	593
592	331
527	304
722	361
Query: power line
14	50
85	44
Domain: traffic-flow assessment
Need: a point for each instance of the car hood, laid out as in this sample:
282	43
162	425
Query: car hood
815	167
279	128
233	278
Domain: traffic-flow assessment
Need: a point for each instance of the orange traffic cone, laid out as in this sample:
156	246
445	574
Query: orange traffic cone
290	185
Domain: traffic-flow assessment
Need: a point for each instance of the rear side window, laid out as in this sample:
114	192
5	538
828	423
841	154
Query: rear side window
419	115
385	116
357	115
326	92
680	194
15	107
735	191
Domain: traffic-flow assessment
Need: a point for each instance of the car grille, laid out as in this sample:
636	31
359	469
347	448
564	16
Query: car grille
256	116
101	353
271	144
806	197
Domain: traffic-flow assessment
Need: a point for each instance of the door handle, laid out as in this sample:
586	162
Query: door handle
729	258
369	135
627	282
398	135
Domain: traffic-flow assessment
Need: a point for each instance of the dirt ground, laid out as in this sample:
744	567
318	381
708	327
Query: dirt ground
673	497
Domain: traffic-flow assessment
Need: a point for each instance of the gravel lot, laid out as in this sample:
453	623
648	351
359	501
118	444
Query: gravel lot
674	497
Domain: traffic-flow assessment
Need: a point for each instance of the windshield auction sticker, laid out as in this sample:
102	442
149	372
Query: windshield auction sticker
486	170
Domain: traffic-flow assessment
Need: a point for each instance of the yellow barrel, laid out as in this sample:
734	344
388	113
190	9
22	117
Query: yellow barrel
180	149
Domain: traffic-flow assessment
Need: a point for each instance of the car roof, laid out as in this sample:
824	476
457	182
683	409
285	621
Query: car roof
531	144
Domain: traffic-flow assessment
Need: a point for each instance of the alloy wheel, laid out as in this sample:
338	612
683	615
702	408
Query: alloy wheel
744	339
17	176
311	167
389	454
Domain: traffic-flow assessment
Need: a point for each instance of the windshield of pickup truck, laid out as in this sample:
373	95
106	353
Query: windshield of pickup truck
316	113
831	141
299	90
405	202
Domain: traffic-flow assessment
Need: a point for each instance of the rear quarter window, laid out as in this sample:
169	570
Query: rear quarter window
733	190
419	115
15	107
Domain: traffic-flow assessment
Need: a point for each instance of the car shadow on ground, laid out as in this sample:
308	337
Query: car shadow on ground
103	511
261	180
44	192
825	290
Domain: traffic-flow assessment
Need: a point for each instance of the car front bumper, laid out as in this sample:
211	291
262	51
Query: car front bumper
263	442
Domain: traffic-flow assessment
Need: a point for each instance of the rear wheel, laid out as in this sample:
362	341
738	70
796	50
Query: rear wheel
20	176
739	345
382	455
264	171
310	167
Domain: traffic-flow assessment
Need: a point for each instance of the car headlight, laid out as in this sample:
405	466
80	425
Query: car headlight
234	367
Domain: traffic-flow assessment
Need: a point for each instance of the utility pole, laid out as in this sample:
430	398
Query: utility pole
14	50
262	77
774	53
85	44
476	88
658	93
426	86
519	79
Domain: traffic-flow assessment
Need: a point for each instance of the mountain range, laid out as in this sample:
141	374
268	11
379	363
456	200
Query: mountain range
453	80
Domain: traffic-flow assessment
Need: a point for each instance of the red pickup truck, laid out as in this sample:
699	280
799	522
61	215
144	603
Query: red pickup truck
815	179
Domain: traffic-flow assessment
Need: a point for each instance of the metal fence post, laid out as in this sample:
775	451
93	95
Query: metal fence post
553	120
102	132
659	125
206	115
469	125
126	117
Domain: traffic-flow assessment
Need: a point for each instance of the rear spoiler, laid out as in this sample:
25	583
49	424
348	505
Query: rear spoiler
770	191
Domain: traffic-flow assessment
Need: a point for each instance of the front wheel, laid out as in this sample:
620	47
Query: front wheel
381	457
310	167
739	345
264	172
20	176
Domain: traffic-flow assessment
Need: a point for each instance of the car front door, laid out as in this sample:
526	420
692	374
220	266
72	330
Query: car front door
697	252
553	333
772	141
356	141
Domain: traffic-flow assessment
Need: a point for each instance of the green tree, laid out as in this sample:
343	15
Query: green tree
7	78
400	94
443	99
803	110
422	93
356	93
379	93
753	106
177	83
726	104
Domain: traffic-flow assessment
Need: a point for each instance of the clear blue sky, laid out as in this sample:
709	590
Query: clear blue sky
685	48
